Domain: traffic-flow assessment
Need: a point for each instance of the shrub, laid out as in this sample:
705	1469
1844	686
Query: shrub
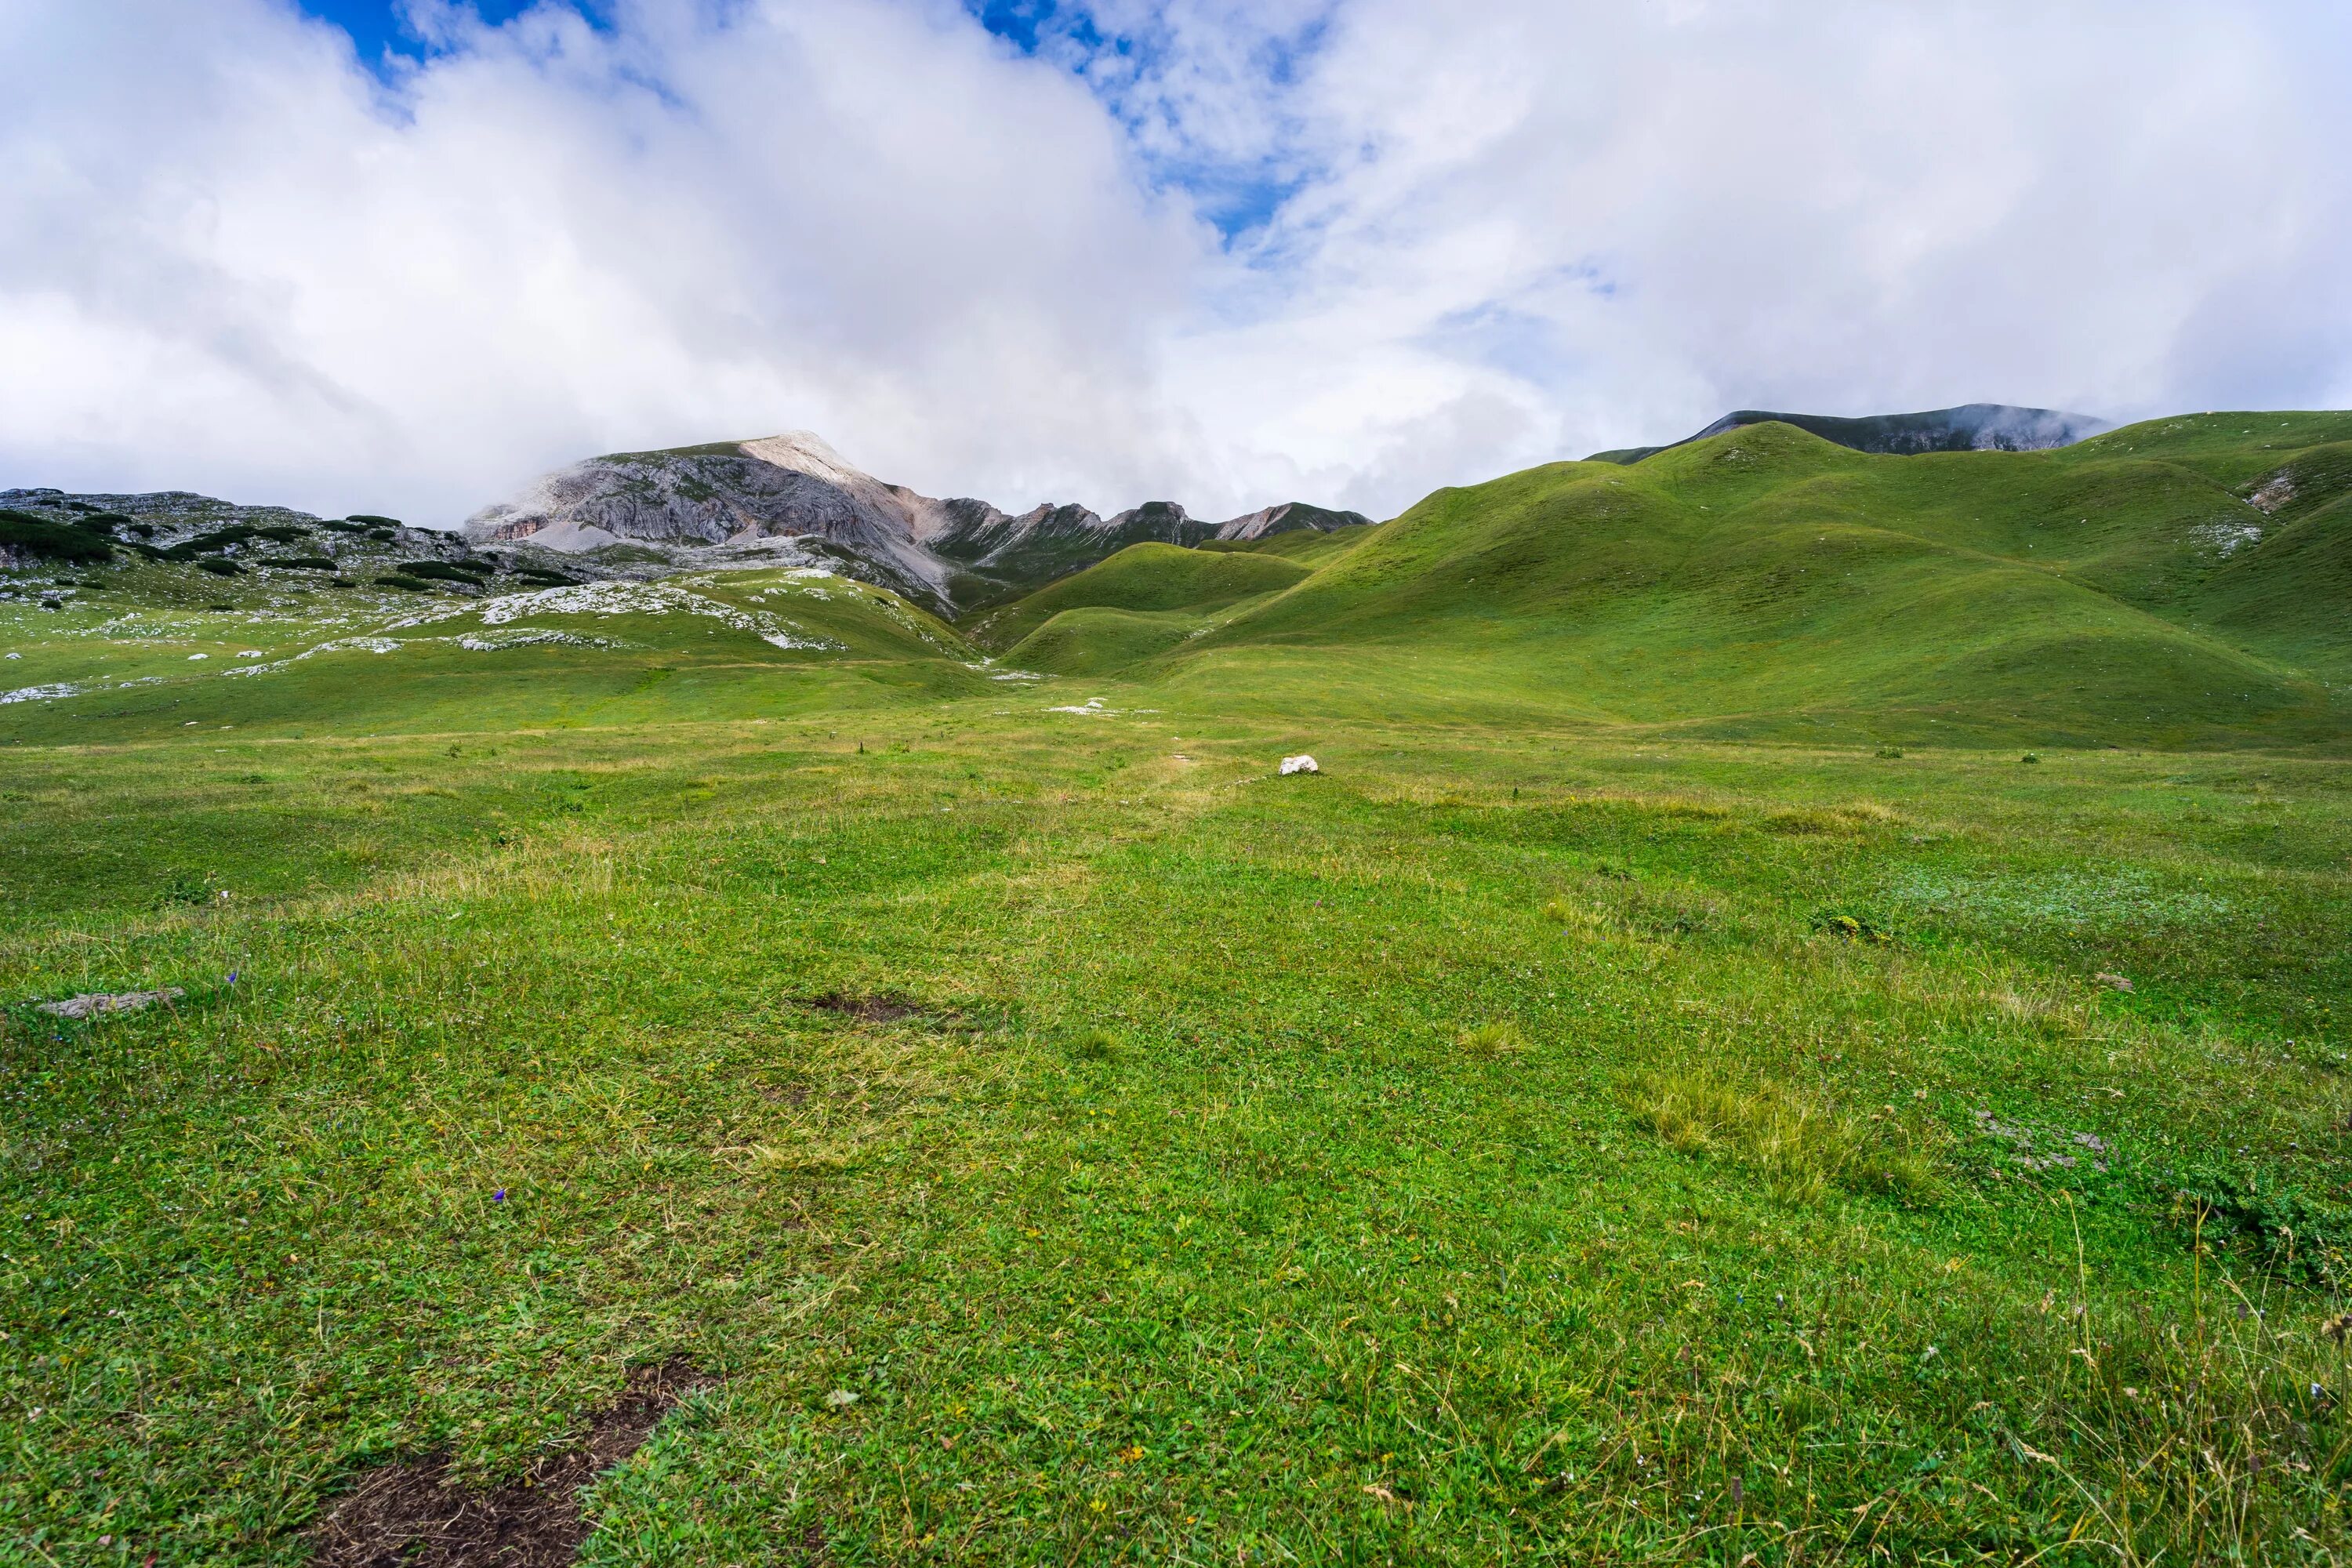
1852	928
299	562
2284	1229
1890	751
1800	1147
370	520
22	533
345	527
220	566
281	532
406	583
219	539
2029	757
545	578
184	890
439	572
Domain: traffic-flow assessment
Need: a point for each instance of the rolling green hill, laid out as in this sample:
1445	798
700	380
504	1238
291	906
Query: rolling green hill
2173	584
1152	577
137	654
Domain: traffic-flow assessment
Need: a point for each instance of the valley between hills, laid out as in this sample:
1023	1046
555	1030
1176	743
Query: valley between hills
731	1012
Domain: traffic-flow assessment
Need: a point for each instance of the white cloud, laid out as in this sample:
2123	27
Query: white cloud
232	259
1606	223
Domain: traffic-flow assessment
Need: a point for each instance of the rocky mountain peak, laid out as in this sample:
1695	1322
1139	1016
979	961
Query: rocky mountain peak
795	490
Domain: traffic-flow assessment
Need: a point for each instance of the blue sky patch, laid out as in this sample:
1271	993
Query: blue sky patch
379	27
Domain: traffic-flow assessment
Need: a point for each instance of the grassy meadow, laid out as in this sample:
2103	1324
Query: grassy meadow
1542	1135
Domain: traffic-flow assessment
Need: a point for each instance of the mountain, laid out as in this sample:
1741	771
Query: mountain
749	498
197	540
1971	427
2174	584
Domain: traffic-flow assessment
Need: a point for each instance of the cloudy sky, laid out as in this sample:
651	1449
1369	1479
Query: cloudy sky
400	254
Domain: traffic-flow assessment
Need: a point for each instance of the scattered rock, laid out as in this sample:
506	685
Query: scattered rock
414	1515
2276	491
97	1001
2113	982
840	1399
1301	764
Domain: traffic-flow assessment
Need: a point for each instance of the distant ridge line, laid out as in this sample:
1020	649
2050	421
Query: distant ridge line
1970	427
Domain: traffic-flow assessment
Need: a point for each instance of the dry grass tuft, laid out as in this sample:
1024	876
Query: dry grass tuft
1493	1041
1800	1147
1854	816
1576	916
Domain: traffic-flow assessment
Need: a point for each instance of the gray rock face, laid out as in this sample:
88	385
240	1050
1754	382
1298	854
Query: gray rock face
954	555
731	492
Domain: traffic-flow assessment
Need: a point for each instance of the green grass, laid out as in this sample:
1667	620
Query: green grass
1540	1134
1143	577
1766	583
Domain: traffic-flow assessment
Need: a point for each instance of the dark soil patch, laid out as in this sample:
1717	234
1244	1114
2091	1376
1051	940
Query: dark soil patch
414	1515
865	1009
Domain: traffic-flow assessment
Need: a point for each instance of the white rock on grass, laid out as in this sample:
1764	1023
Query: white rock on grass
1301	764
97	1002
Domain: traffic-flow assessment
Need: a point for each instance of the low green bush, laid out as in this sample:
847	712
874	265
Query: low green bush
299	562
22	534
439	572
1852	928
370	520
212	542
402	580
2280	1227
220	566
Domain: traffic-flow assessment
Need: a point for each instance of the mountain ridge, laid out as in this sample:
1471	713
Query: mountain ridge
955	555
1966	427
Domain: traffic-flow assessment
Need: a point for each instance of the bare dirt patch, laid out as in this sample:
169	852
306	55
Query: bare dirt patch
415	1515
865	1009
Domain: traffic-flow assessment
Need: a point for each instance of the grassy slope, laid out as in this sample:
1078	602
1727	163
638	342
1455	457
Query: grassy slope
1767	583
1187	1222
131	648
1143	577
1303	544
1488	1148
